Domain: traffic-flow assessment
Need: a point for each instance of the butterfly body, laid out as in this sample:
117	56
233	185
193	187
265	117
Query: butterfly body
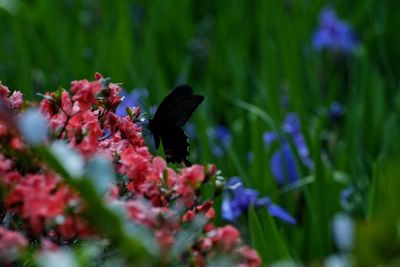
166	124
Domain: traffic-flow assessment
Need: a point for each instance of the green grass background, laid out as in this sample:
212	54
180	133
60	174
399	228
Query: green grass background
243	56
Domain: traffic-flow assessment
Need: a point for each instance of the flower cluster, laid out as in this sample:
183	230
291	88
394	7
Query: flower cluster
334	34
41	207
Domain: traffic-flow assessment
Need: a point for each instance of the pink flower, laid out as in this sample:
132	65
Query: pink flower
165	238
83	131
75	226
48	106
12	177
10	244
193	175
84	93
15	99
226	237
48	200
135	163
130	131
152	194
140	212
5	164
250	257
66	103
112	97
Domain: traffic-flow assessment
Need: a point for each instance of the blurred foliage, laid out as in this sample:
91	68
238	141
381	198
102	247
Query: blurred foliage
254	62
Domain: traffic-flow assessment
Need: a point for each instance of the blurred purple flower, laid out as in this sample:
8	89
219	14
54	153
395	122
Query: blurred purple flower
269	137
336	111
220	137
250	156
237	200
333	34
283	165
131	99
283	162
291	126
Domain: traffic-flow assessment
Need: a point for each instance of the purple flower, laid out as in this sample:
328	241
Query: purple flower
333	34
269	137
131	99
237	200
336	111
283	165
283	162
250	156
291	126
220	138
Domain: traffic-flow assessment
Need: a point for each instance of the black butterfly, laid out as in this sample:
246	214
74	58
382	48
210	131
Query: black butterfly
166	124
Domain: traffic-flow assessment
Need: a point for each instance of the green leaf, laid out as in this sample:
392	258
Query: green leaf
269	242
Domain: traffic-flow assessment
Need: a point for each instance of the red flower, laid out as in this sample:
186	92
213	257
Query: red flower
157	170
37	198
11	178
205	244
193	175
47	106
16	143
85	92
189	215
130	131
66	103
74	226
165	238
146	187
141	212
112	97
226	237
205	209
189	179
83	131
4	91
135	163
250	257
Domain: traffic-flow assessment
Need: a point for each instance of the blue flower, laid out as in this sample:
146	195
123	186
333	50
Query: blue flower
283	162
220	137
237	200
333	34
283	165
336	111
130	99
269	137
292	127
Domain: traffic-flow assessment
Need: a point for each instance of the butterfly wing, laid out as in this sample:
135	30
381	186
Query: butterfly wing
177	107
172	114
176	145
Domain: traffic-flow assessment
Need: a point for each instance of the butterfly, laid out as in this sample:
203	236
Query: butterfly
168	120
